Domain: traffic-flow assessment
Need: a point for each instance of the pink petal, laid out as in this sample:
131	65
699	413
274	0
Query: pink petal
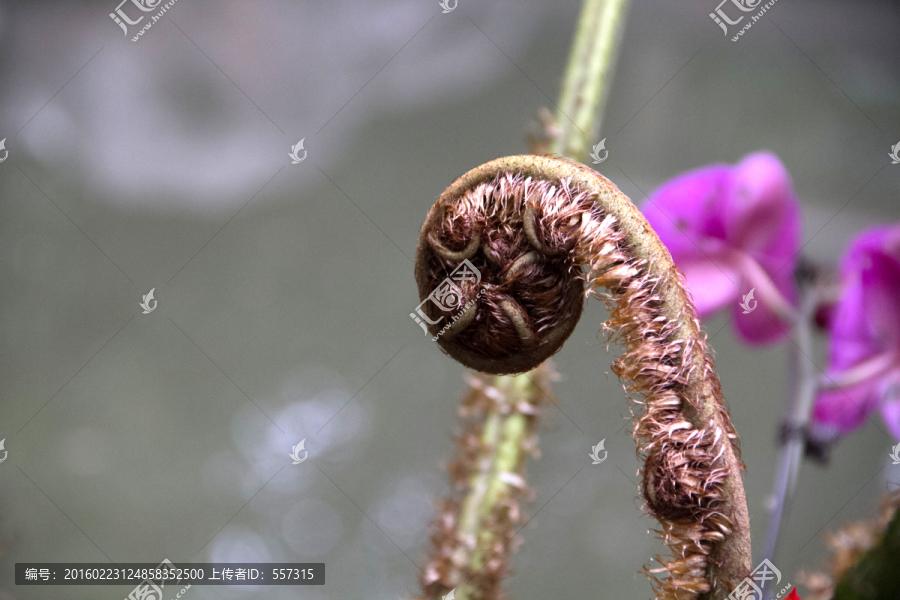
874	239
847	409
867	318
881	289
849	343
760	327
890	412
685	212
713	284
762	214
763	325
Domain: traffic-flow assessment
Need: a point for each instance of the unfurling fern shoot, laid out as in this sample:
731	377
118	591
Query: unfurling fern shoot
545	233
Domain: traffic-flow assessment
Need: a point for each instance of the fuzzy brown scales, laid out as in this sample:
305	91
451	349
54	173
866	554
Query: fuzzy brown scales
548	232
450	564
529	300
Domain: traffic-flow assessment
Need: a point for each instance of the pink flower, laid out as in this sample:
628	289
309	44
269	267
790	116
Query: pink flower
865	336
733	229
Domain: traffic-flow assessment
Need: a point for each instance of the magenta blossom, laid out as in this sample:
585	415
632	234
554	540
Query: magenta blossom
733	229
865	336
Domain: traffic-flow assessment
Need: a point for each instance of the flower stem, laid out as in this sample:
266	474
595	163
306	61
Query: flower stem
588	76
804	387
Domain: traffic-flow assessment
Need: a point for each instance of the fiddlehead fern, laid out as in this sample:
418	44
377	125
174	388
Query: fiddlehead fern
544	233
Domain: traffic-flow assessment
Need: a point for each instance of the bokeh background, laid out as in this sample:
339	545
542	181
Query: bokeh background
284	291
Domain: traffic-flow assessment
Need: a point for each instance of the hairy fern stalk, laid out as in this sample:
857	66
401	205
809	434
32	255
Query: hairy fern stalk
473	537
544	234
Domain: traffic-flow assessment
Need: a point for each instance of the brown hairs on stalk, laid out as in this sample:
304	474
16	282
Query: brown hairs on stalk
471	549
545	233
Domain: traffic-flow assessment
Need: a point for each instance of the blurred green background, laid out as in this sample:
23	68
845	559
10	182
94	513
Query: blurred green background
284	291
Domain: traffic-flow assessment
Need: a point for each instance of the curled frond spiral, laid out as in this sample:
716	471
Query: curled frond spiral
542	234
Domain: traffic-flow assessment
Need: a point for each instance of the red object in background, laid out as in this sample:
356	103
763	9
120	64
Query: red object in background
793	595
